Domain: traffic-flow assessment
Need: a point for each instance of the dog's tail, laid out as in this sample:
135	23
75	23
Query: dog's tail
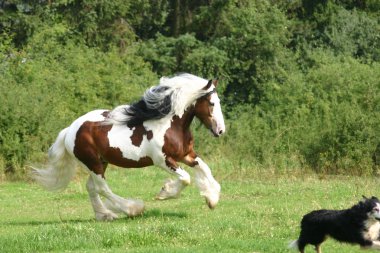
293	245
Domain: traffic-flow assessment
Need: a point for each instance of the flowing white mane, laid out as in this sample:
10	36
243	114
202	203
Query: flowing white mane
171	97
185	89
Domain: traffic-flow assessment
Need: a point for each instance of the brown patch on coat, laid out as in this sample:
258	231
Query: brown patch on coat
138	135
178	139
92	148
203	111
171	163
105	114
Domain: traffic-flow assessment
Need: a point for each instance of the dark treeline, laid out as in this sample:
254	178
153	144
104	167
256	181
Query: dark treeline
300	79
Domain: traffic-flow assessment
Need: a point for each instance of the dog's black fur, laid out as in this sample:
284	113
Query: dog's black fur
350	225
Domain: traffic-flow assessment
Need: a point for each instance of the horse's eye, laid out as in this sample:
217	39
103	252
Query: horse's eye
212	104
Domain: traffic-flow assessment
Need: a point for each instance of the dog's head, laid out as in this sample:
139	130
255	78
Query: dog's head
371	207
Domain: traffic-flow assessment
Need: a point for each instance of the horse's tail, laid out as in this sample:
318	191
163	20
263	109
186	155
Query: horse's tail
294	245
61	167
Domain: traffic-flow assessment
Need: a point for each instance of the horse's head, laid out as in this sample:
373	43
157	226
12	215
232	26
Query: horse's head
209	111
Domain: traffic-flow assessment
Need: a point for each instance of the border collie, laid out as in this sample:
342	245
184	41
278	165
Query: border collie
357	225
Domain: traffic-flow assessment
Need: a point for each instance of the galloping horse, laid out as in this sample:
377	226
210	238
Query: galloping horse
153	131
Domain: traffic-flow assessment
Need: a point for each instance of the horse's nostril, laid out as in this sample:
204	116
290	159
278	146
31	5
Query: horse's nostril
221	131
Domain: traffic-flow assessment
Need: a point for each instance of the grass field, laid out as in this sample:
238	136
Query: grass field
256	214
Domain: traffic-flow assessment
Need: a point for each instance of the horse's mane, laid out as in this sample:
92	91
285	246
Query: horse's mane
171	97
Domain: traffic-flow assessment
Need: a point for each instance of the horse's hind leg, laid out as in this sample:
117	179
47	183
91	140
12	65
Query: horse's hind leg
101	212
96	185
114	202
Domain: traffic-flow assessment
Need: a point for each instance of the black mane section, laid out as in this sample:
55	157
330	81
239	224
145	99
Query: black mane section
140	111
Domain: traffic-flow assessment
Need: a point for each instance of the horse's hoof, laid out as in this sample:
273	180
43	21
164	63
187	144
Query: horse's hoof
162	195
212	200
211	204
136	208
107	216
168	191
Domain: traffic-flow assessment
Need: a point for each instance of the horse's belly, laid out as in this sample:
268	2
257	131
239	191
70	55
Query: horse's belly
116	158
131	147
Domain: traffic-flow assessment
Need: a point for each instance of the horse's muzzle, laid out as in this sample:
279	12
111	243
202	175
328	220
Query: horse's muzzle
216	134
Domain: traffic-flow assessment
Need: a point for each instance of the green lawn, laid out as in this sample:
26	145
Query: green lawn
256	214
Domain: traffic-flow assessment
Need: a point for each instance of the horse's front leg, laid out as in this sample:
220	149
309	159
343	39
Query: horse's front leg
173	188
206	183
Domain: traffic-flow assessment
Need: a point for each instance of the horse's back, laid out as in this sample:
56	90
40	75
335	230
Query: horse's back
92	139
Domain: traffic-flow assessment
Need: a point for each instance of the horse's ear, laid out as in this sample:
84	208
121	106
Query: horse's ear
215	82
208	85
364	197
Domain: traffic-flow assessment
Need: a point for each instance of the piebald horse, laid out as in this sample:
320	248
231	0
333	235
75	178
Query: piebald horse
153	131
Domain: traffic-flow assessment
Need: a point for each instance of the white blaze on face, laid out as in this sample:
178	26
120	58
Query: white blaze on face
218	125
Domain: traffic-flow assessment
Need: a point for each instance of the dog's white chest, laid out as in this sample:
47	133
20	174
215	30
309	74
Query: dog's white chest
372	230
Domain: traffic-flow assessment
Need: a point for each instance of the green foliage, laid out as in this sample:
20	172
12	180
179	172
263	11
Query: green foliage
354	33
148	17
101	23
346	103
299	78
348	27
245	44
47	85
326	120
183	54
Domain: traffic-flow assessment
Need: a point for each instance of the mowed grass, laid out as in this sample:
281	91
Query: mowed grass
259	213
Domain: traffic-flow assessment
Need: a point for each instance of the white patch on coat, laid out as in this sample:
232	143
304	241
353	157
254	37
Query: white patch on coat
372	228
120	137
372	225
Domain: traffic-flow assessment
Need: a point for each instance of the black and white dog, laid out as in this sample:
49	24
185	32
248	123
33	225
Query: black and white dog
357	225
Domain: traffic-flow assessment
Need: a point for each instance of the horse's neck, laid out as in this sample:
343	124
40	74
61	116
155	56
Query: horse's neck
185	121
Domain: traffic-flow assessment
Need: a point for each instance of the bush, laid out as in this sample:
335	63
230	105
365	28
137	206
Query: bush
51	83
326	120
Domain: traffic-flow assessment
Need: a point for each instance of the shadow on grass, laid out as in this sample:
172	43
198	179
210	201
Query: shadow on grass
159	214
38	223
154	213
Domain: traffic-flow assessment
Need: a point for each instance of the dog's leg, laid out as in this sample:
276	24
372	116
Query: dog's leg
318	248
375	245
371	245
